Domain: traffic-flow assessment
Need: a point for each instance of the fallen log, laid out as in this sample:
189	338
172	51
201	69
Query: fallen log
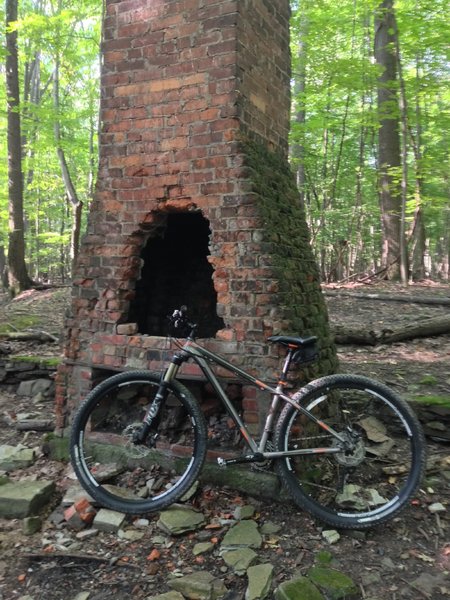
427	328
389	298
345	336
27	336
35	425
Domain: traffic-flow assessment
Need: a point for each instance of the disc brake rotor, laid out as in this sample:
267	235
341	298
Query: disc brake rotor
134	450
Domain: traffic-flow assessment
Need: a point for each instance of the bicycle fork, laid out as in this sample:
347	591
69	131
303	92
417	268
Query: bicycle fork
151	417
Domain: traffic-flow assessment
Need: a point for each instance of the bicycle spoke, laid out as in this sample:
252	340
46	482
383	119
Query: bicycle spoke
380	463
130	476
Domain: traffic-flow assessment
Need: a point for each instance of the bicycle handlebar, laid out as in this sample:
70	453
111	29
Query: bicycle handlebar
180	322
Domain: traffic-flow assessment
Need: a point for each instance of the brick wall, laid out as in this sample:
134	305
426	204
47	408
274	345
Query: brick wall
185	85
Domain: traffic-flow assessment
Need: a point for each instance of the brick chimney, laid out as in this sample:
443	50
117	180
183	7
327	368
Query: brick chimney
195	203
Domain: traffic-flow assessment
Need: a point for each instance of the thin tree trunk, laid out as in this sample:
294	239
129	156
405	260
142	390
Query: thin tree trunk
3	268
388	139
75	202
18	277
404	266
298	150
417	234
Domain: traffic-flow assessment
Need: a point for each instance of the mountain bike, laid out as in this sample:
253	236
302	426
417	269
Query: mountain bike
348	450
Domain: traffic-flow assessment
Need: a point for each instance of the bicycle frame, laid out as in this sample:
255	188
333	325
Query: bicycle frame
191	349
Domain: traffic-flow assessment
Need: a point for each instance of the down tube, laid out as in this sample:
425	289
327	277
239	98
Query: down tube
228	405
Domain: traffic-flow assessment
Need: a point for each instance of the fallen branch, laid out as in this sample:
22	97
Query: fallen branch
35	425
26	336
343	335
389	298
427	328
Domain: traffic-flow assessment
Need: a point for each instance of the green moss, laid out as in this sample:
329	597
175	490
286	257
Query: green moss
428	380
301	588
432	400
335	584
49	362
19	323
324	557
285	231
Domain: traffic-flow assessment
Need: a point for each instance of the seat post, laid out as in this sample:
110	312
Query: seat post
286	365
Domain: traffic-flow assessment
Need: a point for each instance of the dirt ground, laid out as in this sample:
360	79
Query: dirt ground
409	558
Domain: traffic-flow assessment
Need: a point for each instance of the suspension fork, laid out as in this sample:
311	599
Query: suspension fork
151	418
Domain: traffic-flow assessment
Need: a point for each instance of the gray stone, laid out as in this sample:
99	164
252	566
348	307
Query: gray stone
199	586
82	596
24	498
31	525
244	534
259	582
74	493
179	519
34	387
436	507
141	523
15	457
270	528
239	560
191	492
131	535
300	588
244	512
202	548
86	534
167	596
108	520
335	585
331	536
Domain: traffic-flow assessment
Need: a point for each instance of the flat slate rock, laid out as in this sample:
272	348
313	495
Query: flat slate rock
15	457
243	535
24	498
177	520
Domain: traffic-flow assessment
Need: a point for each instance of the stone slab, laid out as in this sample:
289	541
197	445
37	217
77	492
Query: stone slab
24	498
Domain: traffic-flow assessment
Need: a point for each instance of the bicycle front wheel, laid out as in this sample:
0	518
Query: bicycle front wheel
129	477
355	488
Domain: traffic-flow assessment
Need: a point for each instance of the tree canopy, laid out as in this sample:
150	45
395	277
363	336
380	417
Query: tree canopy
337	121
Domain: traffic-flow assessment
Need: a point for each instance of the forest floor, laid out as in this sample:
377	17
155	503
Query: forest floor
409	558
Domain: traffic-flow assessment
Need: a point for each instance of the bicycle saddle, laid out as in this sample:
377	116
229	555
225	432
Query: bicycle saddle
292	342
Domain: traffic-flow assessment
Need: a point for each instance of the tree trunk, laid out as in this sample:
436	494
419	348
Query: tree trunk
75	202
17	271
428	328
404	263
389	164
3	269
298	150
418	234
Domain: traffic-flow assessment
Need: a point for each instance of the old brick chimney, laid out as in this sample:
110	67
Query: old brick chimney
195	203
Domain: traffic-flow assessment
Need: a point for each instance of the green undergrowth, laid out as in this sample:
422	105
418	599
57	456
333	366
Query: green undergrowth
432	400
19	323
50	362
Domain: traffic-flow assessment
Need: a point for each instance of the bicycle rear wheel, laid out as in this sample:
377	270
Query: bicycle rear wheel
368	485
135	478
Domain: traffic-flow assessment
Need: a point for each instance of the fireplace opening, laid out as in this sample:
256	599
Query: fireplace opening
176	272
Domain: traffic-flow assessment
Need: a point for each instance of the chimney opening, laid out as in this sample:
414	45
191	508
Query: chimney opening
176	272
